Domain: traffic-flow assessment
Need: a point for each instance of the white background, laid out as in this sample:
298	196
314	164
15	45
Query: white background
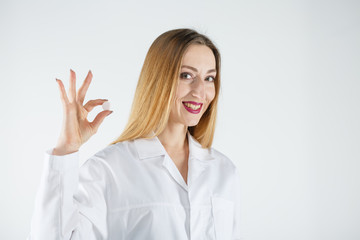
289	113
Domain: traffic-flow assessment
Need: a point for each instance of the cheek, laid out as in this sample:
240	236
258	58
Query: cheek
178	98
181	91
210	93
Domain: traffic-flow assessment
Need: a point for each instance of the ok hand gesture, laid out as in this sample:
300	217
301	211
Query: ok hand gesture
76	129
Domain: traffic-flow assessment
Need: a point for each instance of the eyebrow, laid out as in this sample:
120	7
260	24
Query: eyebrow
194	69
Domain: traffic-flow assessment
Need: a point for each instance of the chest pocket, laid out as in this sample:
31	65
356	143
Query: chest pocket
223	214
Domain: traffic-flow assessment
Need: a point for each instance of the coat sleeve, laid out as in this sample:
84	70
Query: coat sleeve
69	204
238	229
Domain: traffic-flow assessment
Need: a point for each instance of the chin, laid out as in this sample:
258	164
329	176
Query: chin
192	123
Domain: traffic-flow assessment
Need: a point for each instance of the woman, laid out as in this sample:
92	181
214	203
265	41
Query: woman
160	179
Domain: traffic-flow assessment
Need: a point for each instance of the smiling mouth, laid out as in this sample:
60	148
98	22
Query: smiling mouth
193	107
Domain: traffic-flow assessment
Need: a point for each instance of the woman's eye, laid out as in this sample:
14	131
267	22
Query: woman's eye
185	76
210	79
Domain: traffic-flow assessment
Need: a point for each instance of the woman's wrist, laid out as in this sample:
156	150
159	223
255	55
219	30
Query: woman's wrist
61	151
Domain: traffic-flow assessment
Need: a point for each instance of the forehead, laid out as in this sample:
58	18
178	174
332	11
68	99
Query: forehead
199	56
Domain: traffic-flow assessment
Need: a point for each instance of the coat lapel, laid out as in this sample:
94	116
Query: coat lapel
170	166
199	158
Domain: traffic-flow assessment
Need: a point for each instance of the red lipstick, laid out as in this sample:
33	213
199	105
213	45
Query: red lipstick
189	109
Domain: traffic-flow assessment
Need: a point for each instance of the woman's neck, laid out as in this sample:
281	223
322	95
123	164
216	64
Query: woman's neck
174	138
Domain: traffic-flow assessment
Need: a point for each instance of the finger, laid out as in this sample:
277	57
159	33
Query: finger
84	87
93	103
63	95
72	86
99	119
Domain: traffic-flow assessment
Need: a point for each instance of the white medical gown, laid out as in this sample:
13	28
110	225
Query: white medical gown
133	190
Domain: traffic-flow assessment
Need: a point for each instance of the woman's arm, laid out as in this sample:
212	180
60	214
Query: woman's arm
238	229
70	205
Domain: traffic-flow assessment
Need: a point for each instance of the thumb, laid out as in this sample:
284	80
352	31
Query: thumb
99	119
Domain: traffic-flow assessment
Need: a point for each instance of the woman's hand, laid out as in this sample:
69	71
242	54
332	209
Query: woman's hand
76	129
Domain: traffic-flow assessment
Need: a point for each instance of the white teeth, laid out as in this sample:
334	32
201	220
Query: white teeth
192	106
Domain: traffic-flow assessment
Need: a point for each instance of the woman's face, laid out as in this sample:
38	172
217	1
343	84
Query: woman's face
196	88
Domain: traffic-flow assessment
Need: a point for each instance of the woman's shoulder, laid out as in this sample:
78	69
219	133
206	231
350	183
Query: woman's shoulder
112	154
223	159
113	150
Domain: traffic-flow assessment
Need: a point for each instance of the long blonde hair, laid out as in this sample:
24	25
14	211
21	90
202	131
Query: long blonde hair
157	85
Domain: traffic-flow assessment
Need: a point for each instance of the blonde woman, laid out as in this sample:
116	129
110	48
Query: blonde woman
160	179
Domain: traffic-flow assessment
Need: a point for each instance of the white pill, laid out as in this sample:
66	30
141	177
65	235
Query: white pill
106	105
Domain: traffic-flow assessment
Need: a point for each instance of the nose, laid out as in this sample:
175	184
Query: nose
198	88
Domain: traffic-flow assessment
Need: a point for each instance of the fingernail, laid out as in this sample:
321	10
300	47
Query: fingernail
110	112
56	79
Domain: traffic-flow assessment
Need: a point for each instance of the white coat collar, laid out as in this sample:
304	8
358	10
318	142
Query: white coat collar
148	148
